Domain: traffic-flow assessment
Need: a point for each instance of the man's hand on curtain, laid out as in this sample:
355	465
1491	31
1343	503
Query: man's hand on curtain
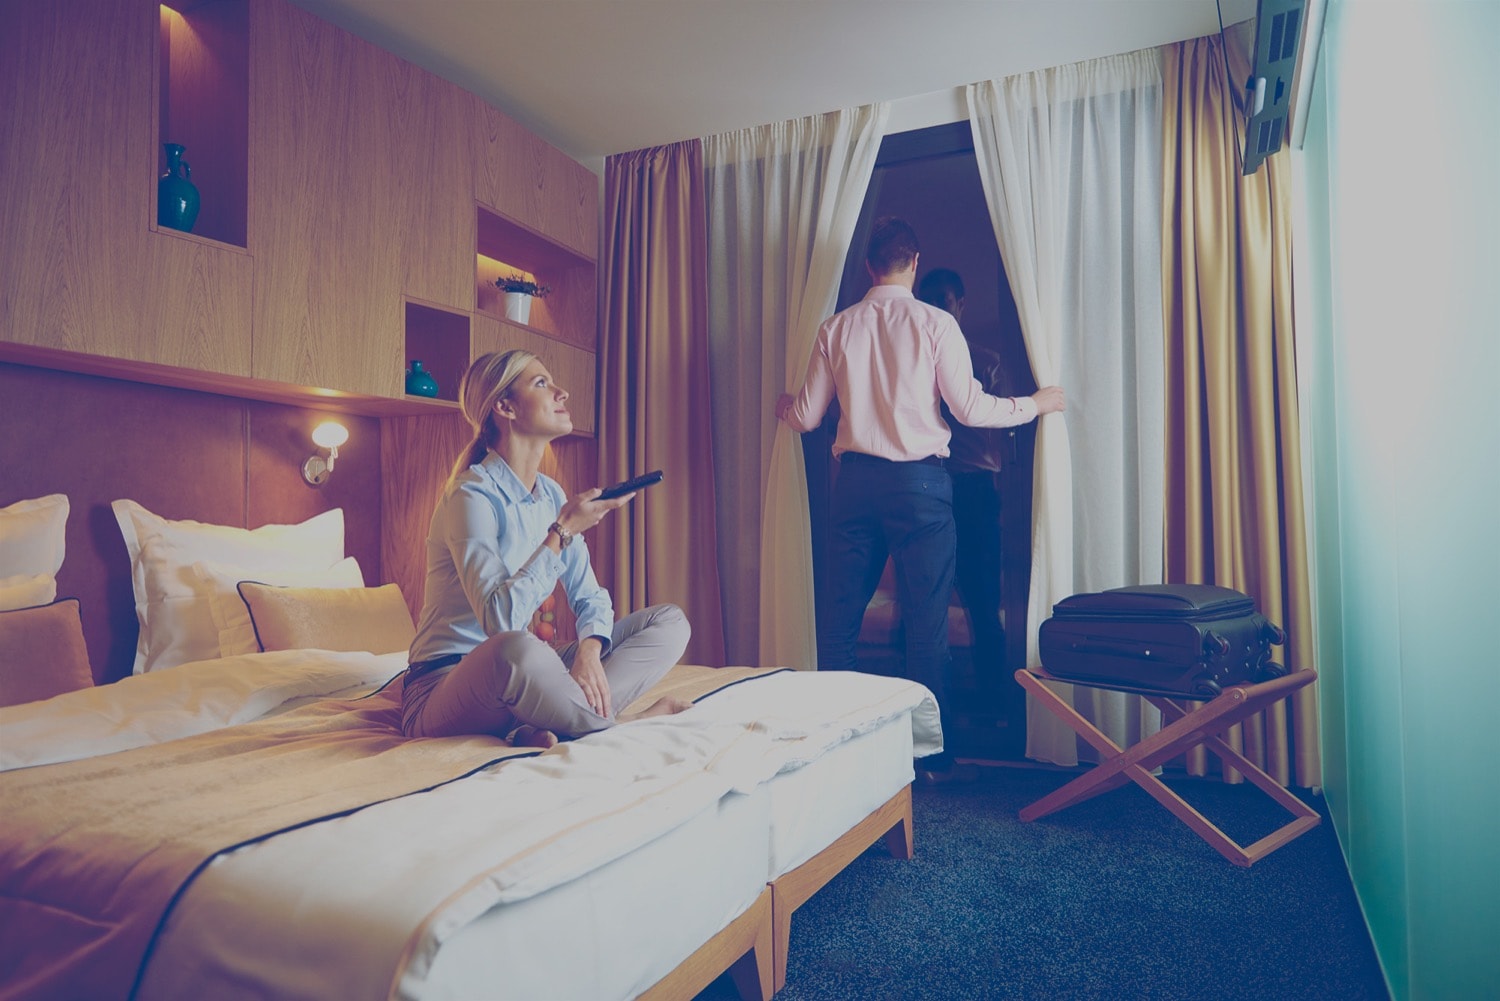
1049	400
783	404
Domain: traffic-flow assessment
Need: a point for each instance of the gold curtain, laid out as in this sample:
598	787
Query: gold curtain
1234	513
654	391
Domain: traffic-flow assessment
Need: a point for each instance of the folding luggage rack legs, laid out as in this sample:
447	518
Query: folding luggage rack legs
1183	730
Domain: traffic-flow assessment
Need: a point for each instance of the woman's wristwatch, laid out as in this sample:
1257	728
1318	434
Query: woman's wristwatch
563	535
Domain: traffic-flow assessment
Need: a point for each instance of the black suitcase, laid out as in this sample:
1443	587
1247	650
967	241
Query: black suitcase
1182	640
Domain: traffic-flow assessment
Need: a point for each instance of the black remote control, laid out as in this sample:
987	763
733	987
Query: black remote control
644	480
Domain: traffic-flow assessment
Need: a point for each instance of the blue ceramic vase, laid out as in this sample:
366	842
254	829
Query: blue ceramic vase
176	194
419	381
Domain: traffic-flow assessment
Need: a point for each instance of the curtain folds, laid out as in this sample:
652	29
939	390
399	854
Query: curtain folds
1234	512
1070	160
783	203
1152	281
653	378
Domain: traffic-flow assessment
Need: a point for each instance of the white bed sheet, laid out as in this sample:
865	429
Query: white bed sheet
813	806
638	924
732	793
618	930
182	701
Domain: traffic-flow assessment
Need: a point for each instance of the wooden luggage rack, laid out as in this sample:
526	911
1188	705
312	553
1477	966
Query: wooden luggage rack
1183	729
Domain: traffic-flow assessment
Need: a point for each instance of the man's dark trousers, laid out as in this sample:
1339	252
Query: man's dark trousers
903	510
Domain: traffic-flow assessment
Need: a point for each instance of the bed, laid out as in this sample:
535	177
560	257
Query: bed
251	824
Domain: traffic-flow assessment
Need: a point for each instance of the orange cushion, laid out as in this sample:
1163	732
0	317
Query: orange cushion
371	619
42	653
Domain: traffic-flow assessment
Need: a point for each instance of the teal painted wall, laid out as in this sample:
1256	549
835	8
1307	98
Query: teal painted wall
1398	285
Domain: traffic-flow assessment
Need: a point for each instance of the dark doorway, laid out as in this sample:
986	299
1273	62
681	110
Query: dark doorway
930	178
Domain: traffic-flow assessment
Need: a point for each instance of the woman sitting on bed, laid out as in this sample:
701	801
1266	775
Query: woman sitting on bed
502	536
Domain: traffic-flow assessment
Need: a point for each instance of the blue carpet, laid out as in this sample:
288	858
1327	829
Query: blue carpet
1113	898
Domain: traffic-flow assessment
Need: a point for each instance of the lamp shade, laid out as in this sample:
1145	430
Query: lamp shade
330	434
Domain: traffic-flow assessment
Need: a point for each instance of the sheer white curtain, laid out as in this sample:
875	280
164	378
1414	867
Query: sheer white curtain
1071	162
783	203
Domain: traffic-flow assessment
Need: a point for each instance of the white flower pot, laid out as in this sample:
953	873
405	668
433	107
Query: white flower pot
518	307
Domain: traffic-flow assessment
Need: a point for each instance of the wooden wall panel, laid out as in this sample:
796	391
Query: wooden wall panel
76	133
416	454
326	312
199	316
532	182
278	439
363	194
179	453
82	270
426	181
363	173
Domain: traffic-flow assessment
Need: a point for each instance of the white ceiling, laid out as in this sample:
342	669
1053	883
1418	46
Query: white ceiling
596	77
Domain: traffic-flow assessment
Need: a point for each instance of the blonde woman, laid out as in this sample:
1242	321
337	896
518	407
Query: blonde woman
502	536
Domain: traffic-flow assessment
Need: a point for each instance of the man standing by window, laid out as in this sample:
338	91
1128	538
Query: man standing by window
892	362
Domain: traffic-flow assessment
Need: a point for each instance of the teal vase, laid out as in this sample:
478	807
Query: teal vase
176	194
419	381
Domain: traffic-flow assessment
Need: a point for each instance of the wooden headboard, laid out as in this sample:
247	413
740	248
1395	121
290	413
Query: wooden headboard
181	454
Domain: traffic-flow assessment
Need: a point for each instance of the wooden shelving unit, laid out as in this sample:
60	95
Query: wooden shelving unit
241	387
355	211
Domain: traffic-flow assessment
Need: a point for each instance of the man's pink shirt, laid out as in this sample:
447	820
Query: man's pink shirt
892	360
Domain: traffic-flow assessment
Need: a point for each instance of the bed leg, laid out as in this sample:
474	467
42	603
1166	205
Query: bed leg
898	840
891	821
754	973
743	947
781	922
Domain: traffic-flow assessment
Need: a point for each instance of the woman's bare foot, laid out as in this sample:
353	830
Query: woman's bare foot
527	735
667	705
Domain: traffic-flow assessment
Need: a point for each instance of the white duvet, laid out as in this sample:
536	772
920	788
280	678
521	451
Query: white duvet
174	702
359	906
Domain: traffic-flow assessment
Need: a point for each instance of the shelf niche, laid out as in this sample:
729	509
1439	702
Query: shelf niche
439	339
569	313
204	105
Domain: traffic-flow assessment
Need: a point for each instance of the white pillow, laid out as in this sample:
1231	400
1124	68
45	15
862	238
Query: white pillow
32	543
231	616
172	606
27	592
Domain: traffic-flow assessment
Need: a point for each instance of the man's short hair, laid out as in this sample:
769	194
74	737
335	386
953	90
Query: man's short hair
893	246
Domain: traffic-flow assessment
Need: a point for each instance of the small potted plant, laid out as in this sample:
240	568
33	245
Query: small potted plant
519	291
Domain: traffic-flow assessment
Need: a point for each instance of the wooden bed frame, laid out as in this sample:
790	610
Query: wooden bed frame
753	947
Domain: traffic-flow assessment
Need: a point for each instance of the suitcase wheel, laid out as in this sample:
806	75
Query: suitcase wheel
1271	669
1215	645
1207	688
1276	634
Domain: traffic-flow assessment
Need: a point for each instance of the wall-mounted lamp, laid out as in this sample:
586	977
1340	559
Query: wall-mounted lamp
327	436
